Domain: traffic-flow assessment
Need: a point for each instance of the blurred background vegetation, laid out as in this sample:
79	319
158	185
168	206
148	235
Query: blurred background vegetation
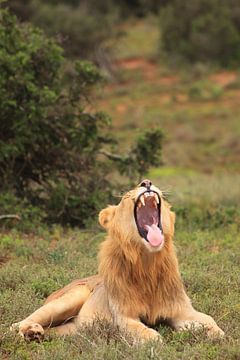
97	94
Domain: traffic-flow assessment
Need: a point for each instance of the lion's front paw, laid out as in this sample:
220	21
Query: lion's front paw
149	335
215	332
29	332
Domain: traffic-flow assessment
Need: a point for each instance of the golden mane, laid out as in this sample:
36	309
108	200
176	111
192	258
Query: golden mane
141	282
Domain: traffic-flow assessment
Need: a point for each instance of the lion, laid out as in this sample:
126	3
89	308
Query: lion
138	283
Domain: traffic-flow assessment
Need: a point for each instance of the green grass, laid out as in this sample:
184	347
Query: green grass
32	266
200	178
135	40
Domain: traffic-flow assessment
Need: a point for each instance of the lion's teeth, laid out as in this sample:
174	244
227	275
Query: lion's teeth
156	198
142	200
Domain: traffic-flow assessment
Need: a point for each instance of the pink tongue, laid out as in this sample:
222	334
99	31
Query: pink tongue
155	235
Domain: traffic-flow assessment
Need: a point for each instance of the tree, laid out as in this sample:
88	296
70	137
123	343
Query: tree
49	145
202	30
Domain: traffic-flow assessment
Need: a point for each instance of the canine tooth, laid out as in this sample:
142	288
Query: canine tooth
156	198
142	200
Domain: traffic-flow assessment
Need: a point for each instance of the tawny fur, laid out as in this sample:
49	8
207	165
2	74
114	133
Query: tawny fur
135	283
78	282
151	281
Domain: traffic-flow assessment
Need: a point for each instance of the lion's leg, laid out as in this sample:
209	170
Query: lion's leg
70	328
96	307
53	313
133	326
192	319
137	329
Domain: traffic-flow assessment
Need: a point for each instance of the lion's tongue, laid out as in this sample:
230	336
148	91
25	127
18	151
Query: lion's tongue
154	235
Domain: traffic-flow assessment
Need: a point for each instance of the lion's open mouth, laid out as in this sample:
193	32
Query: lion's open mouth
147	213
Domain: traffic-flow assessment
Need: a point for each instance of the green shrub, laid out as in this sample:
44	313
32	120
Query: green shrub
82	27
49	145
202	30
28	217
144	154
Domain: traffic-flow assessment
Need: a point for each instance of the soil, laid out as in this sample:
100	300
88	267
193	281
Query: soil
149	68
224	78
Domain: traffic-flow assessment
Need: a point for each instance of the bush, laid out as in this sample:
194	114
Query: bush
27	217
82	27
144	154
49	146
202	30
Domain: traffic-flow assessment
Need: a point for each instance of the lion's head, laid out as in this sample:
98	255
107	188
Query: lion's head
142	217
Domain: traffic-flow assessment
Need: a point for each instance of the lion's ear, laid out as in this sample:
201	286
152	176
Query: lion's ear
106	216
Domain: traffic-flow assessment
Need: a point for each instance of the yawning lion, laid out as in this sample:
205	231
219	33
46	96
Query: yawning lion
138	282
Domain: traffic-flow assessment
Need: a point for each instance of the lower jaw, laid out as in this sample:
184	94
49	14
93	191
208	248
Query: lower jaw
151	248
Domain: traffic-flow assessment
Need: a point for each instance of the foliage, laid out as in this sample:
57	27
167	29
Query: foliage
49	145
30	217
202	30
146	153
81	26
84	27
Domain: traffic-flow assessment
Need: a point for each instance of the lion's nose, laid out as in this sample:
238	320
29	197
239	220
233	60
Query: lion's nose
146	183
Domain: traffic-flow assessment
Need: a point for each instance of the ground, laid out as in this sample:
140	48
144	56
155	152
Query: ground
196	106
199	112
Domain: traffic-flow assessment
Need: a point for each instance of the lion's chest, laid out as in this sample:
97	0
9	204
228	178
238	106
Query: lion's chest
150	302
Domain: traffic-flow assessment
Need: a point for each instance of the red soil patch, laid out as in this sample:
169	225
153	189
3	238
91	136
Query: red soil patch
224	78
121	108
147	67
182	98
164	99
135	63
150	69
168	80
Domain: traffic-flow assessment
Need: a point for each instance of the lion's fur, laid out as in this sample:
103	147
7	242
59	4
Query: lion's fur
142	287
140	282
134	283
90	281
